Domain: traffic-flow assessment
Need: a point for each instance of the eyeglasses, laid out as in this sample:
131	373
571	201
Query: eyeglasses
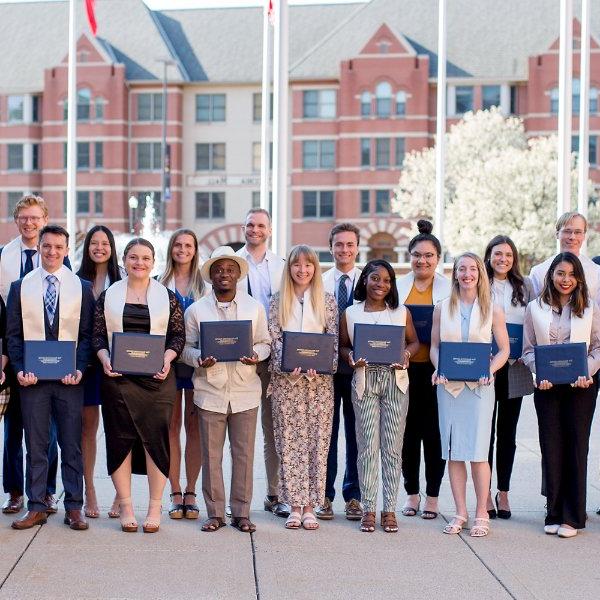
23	220
426	256
576	232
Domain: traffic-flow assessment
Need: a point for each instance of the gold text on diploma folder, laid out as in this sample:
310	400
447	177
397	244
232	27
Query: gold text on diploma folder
310	352
385	344
49	360
227	341
138	353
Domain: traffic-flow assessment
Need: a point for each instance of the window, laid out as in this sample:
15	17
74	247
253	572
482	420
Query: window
98	155
210	107
15	109
98	203
257	154
317	205
318	154
554	95
382	153
382	202
99	109
153	197
148	156
592	148
84	98
490	96
514	95
593	100
36	102
365	152
83	156
401	103
365	202
12	199
400	151
210	157
257	107
15	157
210	205
256	200
554	101
149	107
319	104
365	104
83	202
464	99
324	256
383	99
35	157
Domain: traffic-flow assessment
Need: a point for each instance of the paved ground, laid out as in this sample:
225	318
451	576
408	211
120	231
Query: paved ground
516	561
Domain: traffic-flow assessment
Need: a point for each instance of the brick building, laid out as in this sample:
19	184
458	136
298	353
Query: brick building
363	93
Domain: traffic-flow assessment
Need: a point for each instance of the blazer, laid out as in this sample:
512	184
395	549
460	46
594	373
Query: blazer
276	266
14	326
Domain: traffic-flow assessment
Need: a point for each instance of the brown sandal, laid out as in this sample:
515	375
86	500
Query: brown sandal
213	524
388	522
243	524
367	523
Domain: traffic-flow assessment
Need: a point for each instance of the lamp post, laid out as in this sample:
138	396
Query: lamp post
133	204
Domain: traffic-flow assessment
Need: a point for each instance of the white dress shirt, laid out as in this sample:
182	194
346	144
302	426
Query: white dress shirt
351	282
58	275
35	258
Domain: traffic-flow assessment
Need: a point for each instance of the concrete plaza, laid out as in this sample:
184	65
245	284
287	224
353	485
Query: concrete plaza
516	561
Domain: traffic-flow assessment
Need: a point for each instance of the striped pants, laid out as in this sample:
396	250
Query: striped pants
380	421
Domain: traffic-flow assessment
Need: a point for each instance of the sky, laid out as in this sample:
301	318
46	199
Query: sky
173	4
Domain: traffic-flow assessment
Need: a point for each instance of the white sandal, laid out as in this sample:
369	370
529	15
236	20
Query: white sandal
309	521
481	527
293	521
456	525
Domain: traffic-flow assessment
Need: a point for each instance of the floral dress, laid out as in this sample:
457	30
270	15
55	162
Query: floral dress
302	417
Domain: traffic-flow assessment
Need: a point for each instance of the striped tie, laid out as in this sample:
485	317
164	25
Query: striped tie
50	298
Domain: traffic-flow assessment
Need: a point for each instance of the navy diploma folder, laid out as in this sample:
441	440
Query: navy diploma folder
137	353
48	359
464	361
308	351
379	344
422	316
561	363
227	341
515	338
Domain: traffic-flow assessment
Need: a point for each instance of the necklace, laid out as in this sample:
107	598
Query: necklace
137	296
379	314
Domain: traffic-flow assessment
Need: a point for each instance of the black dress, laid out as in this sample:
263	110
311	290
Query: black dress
137	409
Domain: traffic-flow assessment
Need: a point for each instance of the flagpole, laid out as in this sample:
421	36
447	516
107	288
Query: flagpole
72	132
584	110
280	130
265	128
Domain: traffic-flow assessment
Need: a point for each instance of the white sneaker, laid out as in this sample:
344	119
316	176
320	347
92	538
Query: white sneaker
567	532
551	529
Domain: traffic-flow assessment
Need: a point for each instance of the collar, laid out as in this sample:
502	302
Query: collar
337	274
58	274
24	247
244	252
216	301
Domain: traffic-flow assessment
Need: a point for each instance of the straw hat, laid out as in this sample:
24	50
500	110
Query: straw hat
219	254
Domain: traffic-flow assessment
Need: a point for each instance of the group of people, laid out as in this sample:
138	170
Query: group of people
391	413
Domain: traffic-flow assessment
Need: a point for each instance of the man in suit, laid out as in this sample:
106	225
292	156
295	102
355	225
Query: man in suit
263	280
341	280
51	303
17	258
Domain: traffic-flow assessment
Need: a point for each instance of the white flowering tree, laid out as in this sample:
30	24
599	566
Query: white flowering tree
497	182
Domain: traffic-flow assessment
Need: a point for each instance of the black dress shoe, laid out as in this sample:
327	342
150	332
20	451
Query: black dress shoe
13	504
502	514
272	504
51	503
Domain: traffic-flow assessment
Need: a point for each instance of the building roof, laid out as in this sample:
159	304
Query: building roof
491	41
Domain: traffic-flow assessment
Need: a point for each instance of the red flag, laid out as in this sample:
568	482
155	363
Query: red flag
89	6
271	13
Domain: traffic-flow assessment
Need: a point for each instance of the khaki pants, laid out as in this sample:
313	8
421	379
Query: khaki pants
266	417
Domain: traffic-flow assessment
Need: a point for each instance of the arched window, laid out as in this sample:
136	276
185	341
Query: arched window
383	95
365	104
401	103
84	100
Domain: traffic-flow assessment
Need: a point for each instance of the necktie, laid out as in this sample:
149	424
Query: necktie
342	298
28	261
50	298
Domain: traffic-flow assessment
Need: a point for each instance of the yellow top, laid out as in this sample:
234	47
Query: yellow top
417	297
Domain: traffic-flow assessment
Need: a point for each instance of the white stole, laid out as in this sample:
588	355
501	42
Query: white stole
10	265
581	327
356	314
33	309
450	331
303	316
158	307
441	287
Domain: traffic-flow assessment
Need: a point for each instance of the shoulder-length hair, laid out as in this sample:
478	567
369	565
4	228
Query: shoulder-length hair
514	275
580	298
484	295
196	285
87	270
360	291
286	294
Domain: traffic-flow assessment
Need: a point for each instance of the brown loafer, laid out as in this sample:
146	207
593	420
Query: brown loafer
75	520
354	511
325	511
13	504
30	519
51	503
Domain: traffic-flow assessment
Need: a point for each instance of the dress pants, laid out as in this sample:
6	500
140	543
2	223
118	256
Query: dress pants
241	427
422	427
266	418
564	422
40	403
504	430
342	402
12	461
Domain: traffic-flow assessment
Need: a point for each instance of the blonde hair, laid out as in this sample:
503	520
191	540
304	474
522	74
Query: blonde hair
286	293
196	285
567	217
30	200
484	296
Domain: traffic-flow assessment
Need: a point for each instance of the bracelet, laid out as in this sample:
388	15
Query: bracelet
408	354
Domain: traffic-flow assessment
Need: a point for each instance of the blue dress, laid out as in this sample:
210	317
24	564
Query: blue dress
183	372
